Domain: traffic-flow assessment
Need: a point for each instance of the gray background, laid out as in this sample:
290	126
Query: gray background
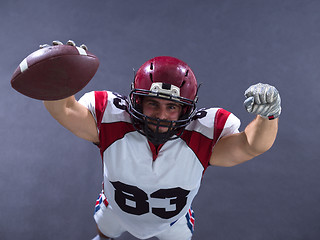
49	179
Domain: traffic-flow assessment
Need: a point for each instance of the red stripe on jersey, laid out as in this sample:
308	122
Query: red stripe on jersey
191	218
108	132
106	203
219	122
155	150
201	145
111	132
101	101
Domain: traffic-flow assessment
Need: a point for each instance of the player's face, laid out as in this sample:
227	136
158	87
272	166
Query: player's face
161	109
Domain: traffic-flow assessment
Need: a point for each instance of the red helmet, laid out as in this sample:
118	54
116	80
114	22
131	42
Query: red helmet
167	78
168	71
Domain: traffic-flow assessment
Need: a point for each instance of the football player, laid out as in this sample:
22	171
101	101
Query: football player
156	146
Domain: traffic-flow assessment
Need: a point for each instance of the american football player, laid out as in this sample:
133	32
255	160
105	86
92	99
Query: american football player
156	146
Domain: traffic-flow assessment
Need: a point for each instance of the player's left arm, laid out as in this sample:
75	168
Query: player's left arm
259	136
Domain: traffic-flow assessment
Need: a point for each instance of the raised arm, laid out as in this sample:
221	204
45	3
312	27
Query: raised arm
74	117
258	136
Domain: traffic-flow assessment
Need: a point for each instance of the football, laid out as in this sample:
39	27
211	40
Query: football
55	72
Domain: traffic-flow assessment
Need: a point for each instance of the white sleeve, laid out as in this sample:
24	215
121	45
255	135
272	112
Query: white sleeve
231	126
88	100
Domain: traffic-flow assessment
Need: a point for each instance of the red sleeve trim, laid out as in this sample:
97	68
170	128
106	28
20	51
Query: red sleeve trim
201	145
111	132
101	102
219	122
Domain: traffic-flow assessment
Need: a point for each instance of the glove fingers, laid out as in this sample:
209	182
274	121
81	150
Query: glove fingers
263	94
248	104
257	99
272	94
84	47
56	42
44	46
255	91
263	99
71	43
249	91
261	109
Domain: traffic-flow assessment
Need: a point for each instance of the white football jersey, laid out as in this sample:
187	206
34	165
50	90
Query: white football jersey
152	188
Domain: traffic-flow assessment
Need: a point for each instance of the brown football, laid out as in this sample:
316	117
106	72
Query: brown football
55	72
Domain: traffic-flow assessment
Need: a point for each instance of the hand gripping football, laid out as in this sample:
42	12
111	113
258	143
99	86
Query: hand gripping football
55	72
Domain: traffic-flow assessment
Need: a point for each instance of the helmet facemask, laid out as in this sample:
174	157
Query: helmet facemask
163	78
141	121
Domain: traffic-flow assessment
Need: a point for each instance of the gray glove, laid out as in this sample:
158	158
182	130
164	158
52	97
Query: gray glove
70	42
264	100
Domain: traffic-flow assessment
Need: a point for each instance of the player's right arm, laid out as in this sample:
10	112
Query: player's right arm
74	117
